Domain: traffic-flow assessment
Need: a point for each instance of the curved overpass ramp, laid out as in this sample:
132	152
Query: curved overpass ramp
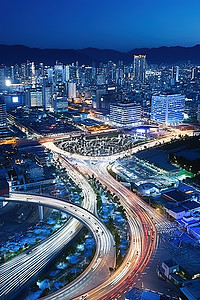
18	271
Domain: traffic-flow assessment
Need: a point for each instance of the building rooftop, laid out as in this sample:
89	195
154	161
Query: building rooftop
124	104
175	196
196	230
170	263
177	209
191	289
187	189
191	205
150	296
189	260
170	93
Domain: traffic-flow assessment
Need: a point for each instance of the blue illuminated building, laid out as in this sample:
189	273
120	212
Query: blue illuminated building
168	108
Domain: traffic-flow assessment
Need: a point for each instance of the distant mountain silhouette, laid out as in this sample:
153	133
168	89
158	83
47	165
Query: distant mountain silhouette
10	55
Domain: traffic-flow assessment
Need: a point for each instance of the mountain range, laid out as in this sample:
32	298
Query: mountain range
16	54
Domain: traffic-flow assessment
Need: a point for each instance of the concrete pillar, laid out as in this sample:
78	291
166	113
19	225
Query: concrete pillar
41	212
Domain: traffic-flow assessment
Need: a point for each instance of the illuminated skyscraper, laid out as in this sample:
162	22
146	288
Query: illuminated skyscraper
139	67
71	90
58	74
168	108
2	78
66	72
47	95
3	119
175	75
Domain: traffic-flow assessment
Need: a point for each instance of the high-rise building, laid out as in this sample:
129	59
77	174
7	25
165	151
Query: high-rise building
47	95
101	80
2	78
35	97
125	114
66	73
168	108
198	112
33	73
3	116
98	99
175	73
139	67
50	75
195	74
71	90
58	74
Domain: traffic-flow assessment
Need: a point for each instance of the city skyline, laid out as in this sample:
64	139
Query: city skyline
100	150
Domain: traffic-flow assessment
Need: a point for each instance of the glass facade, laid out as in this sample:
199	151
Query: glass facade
168	109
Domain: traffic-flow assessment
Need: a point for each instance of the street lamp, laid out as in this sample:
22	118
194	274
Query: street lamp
8	82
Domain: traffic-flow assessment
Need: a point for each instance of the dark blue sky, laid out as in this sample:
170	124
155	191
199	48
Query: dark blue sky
116	24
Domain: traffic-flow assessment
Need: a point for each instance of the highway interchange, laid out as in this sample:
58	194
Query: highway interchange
141	219
95	282
20	269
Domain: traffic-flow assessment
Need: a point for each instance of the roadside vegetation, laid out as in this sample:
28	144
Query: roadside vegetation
113	215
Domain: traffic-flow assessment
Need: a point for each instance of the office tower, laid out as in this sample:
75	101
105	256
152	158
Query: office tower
93	70
2	78
50	75
99	99
23	72
73	73
107	99
17	74
33	78
167	108
195	74
198	112
101	80
35	97
61	105
47	95
41	69
71	90
125	114
139	67
29	72
110	72
3	115
58	74
66	73
61	90
175	74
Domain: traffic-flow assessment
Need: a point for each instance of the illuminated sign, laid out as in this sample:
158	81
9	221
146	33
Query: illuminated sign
15	99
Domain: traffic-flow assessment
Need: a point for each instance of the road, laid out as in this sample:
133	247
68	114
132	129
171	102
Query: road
16	272
143	235
48	143
55	242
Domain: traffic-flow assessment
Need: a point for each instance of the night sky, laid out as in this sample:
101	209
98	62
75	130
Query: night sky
116	24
